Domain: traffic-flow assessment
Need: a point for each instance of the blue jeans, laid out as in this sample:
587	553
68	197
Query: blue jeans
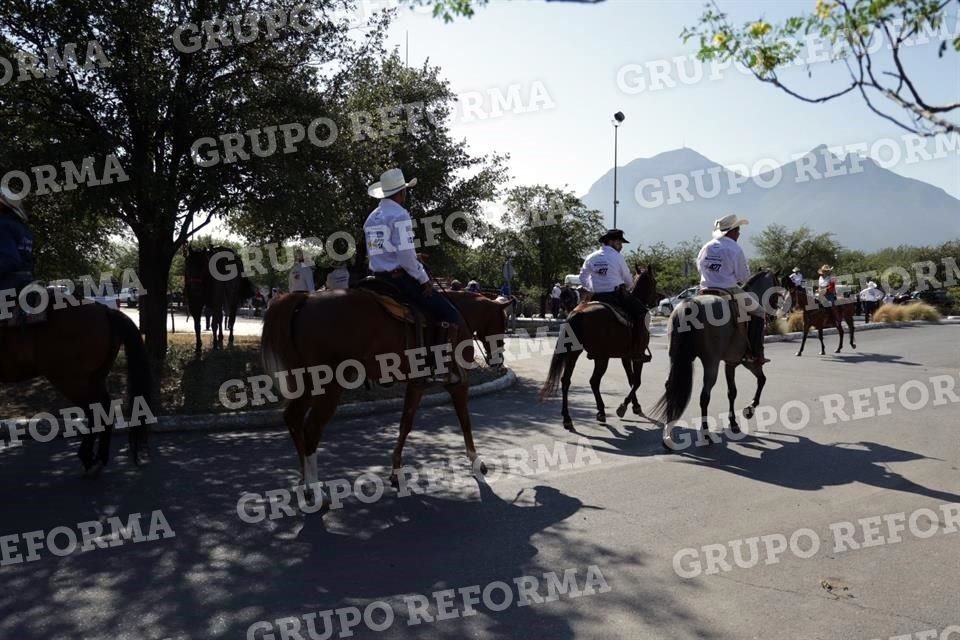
436	306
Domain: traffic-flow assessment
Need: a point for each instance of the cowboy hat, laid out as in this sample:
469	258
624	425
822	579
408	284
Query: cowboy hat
613	234
796	270
13	203
391	182
871	284
825	269
726	224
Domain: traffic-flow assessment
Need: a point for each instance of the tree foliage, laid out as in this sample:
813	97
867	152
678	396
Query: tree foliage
867	36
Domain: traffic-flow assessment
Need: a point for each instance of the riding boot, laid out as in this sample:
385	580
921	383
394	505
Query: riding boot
755	336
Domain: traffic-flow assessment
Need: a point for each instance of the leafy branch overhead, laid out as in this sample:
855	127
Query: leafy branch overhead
867	36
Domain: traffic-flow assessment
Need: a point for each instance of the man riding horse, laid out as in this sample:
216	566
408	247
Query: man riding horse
393	259
606	275
16	246
723	267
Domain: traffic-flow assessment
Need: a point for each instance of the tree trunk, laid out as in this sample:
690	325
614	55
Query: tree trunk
155	260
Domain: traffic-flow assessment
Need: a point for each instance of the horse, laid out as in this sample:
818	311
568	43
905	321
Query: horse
705	326
212	284
331	331
486	319
603	337
816	316
75	349
569	299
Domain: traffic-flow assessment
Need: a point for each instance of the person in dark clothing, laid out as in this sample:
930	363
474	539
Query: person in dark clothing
16	247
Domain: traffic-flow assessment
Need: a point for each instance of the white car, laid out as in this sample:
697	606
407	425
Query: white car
667	305
129	296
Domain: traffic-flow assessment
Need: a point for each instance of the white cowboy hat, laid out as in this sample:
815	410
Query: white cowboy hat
825	269
871	284
796	269
727	223
14	203
391	182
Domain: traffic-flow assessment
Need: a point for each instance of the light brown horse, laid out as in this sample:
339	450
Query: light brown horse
75	350
816	316
347	330
603	337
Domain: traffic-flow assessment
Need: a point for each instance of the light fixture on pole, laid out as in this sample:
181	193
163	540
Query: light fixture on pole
618	117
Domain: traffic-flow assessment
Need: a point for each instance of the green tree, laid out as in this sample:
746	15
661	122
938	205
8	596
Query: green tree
781	250
548	231
676	267
407	110
144	102
850	29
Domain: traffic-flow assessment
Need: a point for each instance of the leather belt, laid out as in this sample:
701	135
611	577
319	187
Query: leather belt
395	273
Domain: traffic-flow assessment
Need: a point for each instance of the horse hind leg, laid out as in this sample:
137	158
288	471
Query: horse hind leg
710	373
460	395
411	401
322	408
599	368
568	367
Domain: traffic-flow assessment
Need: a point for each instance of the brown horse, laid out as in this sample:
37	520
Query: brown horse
603	337
339	331
486	319
75	350
816	316
212	286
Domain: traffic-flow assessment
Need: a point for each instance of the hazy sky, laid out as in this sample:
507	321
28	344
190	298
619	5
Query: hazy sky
575	52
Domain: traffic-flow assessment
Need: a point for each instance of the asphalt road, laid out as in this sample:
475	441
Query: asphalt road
626	510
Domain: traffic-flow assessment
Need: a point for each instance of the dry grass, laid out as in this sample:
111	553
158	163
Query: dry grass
902	312
795	321
190	385
777	327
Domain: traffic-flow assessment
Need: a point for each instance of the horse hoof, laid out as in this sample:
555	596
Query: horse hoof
621	411
637	410
394	481
799	353
734	427
601	417
568	424
93	471
483	468
748	412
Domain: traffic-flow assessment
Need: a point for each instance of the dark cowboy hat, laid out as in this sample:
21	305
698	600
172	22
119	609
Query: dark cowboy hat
613	234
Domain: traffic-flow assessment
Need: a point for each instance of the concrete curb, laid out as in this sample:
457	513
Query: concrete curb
272	418
798	335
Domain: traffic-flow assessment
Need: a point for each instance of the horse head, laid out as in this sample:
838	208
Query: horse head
645	286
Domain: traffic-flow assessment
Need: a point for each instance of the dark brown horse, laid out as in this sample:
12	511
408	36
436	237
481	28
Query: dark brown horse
75	350
816	316
349	331
603	337
214	287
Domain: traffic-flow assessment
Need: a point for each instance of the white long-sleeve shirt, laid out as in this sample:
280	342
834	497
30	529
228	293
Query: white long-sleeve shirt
339	278
722	265
604	270
389	234
301	278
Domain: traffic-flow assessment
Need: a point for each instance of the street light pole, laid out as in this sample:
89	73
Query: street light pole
618	117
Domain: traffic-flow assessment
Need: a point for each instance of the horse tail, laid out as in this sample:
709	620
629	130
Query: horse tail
139	378
276	343
558	363
679	386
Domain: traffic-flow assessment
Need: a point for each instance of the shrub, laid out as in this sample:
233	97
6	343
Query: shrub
777	327
921	311
795	321
890	313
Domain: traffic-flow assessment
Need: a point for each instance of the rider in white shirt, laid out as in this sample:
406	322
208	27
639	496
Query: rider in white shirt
606	275
393	259
338	278
301	276
722	265
796	277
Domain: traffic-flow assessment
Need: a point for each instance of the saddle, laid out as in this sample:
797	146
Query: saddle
617	312
387	296
18	317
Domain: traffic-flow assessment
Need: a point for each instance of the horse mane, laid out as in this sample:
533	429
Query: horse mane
755	277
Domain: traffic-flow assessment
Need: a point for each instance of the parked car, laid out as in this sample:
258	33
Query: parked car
667	305
129	296
110	299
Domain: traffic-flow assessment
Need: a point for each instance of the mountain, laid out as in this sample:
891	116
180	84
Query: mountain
677	195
